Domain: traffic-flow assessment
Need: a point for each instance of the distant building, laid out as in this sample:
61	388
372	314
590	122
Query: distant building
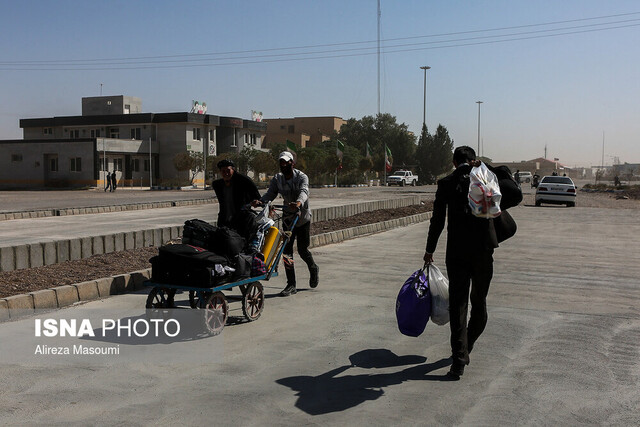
302	131
113	134
541	166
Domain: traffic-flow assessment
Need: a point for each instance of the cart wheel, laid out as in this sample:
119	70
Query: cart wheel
160	298
216	312
253	301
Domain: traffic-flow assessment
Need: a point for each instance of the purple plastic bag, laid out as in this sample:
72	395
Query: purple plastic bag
413	305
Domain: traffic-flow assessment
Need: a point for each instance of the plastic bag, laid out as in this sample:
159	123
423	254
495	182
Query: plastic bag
439	289
484	192
413	305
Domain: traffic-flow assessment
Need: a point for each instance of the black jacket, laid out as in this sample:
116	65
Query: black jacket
465	232
244	191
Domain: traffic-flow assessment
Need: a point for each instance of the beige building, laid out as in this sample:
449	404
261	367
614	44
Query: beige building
303	131
112	134
541	166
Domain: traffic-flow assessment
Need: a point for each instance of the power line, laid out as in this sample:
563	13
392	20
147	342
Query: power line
161	61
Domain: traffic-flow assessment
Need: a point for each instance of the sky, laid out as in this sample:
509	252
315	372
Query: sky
556	74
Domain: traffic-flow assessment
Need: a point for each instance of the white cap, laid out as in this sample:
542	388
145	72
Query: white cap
286	156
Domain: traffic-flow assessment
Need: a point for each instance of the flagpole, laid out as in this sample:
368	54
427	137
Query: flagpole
336	175
385	165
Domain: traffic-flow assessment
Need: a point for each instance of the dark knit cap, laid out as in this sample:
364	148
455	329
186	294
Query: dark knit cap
224	163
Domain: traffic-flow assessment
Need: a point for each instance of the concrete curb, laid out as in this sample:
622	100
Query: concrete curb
124	283
53	252
41	213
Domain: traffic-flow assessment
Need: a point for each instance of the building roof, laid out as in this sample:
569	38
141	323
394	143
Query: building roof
142	118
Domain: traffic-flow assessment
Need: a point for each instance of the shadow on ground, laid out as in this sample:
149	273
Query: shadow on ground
329	392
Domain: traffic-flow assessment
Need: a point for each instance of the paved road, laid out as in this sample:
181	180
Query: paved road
38	230
562	346
13	201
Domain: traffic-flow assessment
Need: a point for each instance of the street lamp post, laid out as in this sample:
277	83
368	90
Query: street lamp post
424	102
478	102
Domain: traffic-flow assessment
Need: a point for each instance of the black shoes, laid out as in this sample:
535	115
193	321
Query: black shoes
289	290
313	279
456	371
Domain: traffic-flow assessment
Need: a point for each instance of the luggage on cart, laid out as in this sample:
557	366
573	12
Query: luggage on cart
189	266
198	233
227	242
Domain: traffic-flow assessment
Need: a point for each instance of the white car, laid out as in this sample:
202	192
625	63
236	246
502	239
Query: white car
558	190
525	176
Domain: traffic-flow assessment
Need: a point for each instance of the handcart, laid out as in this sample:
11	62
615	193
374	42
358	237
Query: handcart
211	300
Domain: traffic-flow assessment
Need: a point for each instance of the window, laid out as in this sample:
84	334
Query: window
282	127
114	132
136	165
117	164
16	157
75	164
291	129
47	131
74	133
127	110
103	164
53	164
95	133
196	133
210	134
135	133
146	165
245	138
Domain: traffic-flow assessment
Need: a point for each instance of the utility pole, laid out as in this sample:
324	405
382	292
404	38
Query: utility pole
424	102
379	13
478	102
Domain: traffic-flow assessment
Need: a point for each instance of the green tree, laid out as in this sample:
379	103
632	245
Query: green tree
434	154
190	161
378	131
263	162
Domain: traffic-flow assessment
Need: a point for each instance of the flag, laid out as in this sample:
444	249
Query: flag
339	149
388	158
291	146
368	151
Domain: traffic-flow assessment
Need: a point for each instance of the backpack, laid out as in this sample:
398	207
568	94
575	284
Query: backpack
510	189
198	233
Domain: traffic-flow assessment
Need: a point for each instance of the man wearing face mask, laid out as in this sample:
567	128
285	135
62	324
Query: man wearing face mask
293	186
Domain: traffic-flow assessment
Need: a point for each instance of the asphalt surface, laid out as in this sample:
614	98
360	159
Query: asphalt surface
562	346
37	230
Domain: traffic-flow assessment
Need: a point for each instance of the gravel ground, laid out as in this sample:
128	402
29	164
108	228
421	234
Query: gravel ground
99	266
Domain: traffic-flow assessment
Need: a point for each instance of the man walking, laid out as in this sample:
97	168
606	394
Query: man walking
114	181
233	191
293	186
108	180
469	257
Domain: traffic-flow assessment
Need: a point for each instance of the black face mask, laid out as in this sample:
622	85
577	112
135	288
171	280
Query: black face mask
287	170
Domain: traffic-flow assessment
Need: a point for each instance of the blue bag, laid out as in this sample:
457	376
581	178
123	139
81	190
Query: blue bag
413	305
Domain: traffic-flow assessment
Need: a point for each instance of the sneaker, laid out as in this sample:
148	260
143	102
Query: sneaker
313	280
289	290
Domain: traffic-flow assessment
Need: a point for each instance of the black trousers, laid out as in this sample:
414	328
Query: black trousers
472	273
304	239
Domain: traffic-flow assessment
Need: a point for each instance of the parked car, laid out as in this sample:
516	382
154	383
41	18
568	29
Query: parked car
525	176
402	178
559	190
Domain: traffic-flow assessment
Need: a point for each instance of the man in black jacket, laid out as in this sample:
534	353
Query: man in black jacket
469	257
233	191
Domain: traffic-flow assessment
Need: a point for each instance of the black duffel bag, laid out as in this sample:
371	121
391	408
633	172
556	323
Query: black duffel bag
227	242
186	265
